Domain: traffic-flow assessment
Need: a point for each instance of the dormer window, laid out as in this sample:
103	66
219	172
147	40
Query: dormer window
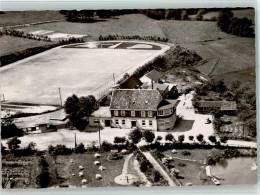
132	113
116	113
150	114
122	113
143	113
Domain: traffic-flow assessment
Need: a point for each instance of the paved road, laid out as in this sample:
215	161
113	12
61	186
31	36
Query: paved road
159	168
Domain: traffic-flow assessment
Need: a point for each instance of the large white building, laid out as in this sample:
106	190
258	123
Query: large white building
137	108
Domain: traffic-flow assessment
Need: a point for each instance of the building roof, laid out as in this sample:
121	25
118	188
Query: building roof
103	111
159	86
135	99
133	82
223	105
154	75
210	104
168	103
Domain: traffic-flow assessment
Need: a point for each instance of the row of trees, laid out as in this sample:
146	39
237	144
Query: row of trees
9	129
22	34
233	25
134	37
79	109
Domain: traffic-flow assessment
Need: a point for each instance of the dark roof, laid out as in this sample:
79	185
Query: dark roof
135	99
154	75
210	104
160	87
167	103
131	83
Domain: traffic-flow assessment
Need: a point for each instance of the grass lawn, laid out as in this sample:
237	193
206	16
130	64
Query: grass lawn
10	44
11	18
21	169
65	169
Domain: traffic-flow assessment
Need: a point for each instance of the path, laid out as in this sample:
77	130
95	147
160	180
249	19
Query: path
126	178
159	168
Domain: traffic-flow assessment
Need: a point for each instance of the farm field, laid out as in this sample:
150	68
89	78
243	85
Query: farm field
133	24
80	71
11	18
10	44
21	169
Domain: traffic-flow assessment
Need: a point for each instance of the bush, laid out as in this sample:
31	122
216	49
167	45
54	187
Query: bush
181	164
106	146
144	166
185	153
43	178
148	136
80	148
156	176
135	136
169	137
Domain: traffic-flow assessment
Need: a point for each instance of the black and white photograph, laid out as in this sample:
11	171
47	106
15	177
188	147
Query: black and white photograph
128	97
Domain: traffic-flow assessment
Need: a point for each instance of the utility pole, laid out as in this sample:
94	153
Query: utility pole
75	141
60	98
114	78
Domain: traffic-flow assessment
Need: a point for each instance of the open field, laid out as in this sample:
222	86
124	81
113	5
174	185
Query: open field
11	18
10	44
133	24
65	169
75	70
248	13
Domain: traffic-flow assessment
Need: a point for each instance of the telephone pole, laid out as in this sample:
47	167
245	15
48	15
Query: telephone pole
60	98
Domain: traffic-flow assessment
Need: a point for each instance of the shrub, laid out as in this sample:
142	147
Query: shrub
106	146
169	137
144	166
148	136
181	138
80	148
135	136
181	164
185	153
14	144
200	137
191	138
156	176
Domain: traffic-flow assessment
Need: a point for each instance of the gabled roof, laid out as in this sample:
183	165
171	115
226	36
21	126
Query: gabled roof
131	83
135	99
103	111
154	75
168	103
210	104
158	86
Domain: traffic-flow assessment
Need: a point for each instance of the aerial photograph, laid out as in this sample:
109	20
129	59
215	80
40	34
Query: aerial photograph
128	97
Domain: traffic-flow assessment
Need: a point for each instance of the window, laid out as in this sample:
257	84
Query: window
150	123
96	121
143	122
167	112
116	113
132	113
143	113
160	112
116	121
123	122
150	114
122	113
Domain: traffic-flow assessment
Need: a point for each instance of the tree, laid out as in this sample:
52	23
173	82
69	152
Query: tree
191	137
3	149
169	137
14	144
135	136
148	136
213	139
78	108
119	140
156	176
106	146
224	19
200	138
181	138
8	128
